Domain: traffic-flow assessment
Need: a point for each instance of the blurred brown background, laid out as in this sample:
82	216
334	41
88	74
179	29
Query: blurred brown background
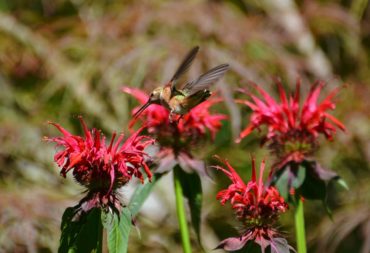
63	58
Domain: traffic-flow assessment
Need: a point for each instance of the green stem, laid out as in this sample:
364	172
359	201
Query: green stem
181	214
358	8
299	227
101	245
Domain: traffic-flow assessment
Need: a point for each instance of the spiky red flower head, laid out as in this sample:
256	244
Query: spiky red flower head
176	138
254	203
99	167
257	206
292	129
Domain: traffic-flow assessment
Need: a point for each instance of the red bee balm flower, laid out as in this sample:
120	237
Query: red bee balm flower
100	168
292	131
257	206
175	138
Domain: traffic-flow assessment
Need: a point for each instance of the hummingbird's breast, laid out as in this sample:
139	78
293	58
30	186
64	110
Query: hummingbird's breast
165	97
177	105
166	94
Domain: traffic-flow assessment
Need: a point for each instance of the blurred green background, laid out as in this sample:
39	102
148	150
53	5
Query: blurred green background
63	58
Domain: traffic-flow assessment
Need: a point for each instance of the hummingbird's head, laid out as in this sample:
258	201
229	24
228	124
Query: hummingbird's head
154	98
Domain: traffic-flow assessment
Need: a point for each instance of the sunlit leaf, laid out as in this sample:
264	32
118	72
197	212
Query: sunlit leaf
299	177
342	183
141	194
118	231
281	182
119	228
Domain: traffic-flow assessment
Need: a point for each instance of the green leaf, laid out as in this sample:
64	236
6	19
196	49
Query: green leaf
313	187
317	179
69	230
90	238
192	190
119	228
282	183
141	194
342	183
118	231
299	177
84	235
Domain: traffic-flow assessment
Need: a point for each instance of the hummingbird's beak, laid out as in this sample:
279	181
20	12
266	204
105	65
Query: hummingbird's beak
142	108
137	114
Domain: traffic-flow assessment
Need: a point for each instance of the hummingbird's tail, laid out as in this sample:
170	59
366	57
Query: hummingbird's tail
206	94
197	98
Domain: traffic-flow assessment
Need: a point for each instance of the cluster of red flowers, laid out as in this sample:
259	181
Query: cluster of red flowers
292	135
100	168
257	206
292	129
177	138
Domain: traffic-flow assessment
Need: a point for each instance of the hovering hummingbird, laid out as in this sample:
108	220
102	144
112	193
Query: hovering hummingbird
181	101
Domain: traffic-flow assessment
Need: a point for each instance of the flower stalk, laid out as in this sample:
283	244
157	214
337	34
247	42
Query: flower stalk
300	227
181	214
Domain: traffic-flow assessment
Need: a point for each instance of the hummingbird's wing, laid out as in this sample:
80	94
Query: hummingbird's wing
206	80
184	66
189	102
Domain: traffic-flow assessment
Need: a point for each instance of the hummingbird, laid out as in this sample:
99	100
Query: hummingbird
180	101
